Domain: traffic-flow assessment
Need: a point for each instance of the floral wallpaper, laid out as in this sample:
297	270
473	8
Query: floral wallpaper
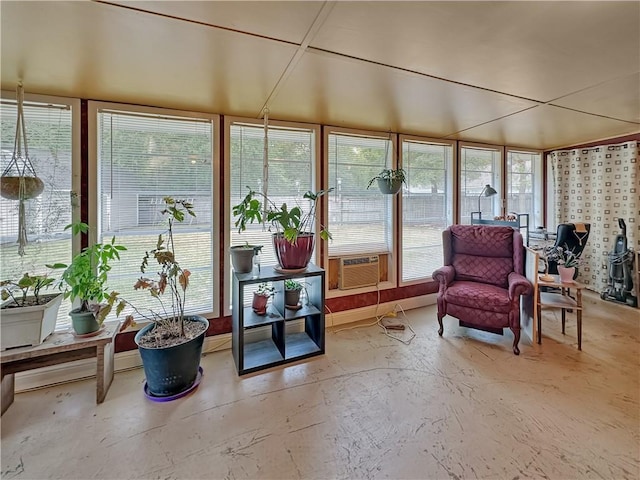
598	185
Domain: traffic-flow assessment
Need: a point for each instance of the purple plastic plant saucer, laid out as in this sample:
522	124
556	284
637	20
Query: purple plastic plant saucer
177	395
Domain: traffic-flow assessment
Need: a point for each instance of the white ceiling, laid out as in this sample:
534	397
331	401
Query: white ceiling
525	74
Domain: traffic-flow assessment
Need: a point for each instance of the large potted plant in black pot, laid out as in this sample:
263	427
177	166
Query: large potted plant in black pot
85	279
171	344
293	228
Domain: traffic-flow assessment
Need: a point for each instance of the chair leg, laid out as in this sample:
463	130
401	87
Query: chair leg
441	329
516	340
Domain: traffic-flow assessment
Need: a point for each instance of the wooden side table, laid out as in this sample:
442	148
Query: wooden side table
62	347
560	300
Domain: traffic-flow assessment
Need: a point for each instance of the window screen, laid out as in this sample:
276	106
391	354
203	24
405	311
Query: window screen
141	159
49	140
291	155
426	206
360	219
479	166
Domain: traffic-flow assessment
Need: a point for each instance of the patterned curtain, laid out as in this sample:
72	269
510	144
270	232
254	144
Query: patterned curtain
598	185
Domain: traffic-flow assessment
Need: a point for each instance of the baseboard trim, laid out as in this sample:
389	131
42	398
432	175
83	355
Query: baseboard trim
83	369
364	313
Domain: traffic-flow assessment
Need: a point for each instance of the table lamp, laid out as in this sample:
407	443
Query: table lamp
487	191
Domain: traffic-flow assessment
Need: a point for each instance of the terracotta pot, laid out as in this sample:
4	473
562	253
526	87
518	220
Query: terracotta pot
294	256
566	273
259	304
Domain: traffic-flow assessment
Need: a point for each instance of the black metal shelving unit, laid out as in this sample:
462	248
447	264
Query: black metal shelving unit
283	335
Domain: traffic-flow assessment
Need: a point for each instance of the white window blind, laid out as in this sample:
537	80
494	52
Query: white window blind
426	206
360	219
141	159
290	174
524	185
479	166
49	139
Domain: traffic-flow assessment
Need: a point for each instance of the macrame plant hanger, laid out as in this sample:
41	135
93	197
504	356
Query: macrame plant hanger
265	164
19	180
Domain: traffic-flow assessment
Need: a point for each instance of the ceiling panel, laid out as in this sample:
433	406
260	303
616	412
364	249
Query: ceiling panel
619	98
537	50
104	52
287	21
339	91
547	127
580	55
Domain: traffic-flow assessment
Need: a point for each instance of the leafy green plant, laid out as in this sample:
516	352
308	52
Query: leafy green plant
265	290
291	284
389	175
85	278
290	222
563	256
18	290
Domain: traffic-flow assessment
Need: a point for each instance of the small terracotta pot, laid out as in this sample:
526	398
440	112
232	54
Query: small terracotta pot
259	304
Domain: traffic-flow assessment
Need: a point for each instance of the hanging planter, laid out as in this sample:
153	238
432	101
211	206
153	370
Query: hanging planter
11	188
19	180
389	181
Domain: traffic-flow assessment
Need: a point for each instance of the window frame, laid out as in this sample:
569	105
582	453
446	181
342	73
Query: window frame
94	107
451	201
537	187
76	165
393	259
498	176
227	222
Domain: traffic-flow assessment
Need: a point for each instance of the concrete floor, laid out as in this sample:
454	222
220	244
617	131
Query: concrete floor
462	406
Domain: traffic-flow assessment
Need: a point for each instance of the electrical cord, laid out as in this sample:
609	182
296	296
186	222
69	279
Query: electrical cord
397	326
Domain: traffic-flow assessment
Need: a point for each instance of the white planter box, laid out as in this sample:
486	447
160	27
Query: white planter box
28	326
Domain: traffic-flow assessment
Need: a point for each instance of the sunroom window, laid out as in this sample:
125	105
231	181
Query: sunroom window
479	166
360	219
427	205
49	123
142	157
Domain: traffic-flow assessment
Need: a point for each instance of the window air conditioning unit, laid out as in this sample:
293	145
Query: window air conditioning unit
358	272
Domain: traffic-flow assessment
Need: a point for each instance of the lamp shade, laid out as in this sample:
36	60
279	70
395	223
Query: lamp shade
487	191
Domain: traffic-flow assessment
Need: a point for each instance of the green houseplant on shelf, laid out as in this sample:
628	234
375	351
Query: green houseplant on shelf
292	290
389	180
85	279
261	298
170	345
28	315
292	228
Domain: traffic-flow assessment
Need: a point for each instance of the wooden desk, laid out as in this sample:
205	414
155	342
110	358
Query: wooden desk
560	300
61	347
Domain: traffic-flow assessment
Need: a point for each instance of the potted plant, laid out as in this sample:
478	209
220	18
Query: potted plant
242	257
171	344
568	263
292	291
293	238
389	180
28	316
85	279
261	297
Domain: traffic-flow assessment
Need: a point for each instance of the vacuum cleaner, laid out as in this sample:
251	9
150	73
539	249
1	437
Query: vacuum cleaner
621	260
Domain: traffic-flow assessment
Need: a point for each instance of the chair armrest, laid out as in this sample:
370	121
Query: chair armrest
444	275
518	285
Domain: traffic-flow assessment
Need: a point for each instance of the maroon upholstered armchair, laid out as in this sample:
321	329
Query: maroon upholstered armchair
482	278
